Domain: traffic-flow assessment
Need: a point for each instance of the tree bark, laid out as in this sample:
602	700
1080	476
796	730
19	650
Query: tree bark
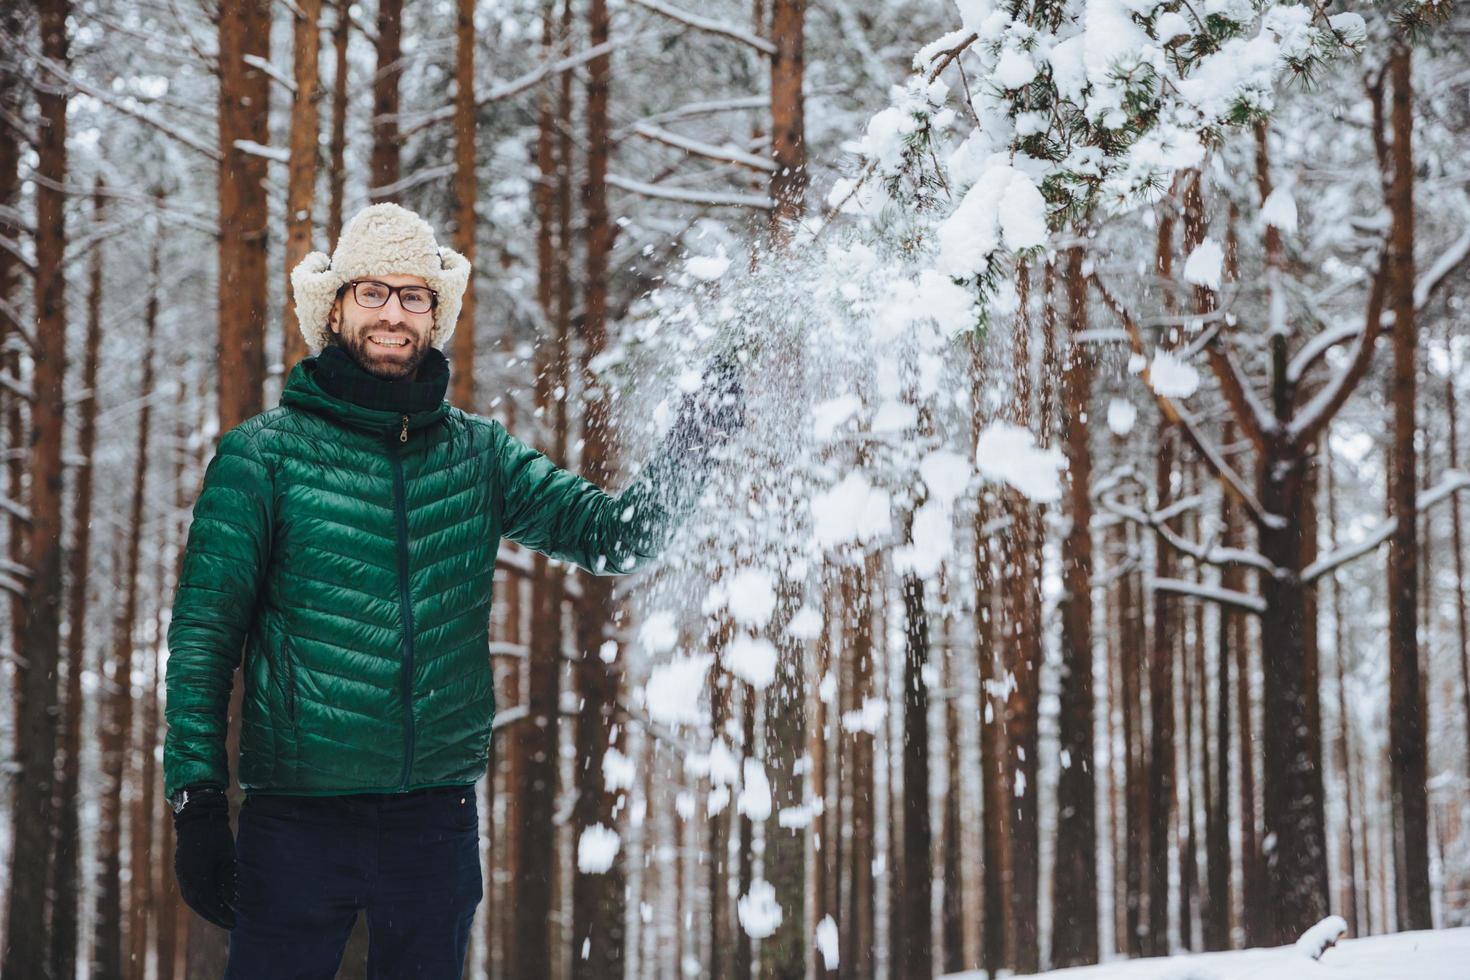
337	166
788	117
1074	915
913	947
386	158
465	190
301	179
1407	752
32	816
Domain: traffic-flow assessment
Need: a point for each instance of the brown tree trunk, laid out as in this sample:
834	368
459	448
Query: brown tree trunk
537	938
12	97
1074	914
858	934
32	817
464	199
784	952
825	873
955	909
1216	912
788	116
386	147
66	870
912	945
744	951
721	941
1161	792
1021	646
337	167
114	949
1131	642
597	899
1407	753
1344	724
301	179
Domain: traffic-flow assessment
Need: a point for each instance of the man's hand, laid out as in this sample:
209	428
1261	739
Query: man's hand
714	412
204	857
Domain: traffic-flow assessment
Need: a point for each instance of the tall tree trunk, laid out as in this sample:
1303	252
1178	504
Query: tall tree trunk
1407	752
114	950
1135	755
913	946
956	909
1344	724
597	899
301	179
1161	790
745	847
788	116
386	147
464	198
13	87
784	952
857	962
1217	820
32	817
1074	915
140	759
1457	544
337	165
539	734
1021	645
721	940
66	869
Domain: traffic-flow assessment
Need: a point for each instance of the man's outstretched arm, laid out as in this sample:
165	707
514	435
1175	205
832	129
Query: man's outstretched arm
224	563
560	514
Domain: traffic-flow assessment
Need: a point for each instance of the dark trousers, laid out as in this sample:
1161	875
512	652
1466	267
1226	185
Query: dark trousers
308	865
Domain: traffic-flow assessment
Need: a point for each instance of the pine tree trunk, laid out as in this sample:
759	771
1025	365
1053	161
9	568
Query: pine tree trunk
12	96
1408	762
784	953
788	116
386	146
465	189
859	934
32	818
1161	791
1131	642
912	945
1074	915
66	870
956	909
337	164
1343	746
721	940
301	179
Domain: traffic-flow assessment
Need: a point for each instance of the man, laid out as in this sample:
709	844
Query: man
345	541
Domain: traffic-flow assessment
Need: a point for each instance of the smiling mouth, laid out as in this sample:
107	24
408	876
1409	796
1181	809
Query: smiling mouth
389	343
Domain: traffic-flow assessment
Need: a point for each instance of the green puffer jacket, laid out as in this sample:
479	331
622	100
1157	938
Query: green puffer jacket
349	553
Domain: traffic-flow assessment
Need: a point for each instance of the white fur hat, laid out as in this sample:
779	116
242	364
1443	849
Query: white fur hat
380	240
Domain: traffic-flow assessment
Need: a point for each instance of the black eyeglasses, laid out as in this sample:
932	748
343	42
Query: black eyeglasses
371	295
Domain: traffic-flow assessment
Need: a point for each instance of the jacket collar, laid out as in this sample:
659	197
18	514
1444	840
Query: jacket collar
304	390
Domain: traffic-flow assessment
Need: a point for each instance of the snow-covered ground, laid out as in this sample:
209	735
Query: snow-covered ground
1442	954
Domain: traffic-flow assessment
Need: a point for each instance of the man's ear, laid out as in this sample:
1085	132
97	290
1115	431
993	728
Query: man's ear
332	315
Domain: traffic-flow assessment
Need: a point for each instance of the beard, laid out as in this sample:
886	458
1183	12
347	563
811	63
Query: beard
378	362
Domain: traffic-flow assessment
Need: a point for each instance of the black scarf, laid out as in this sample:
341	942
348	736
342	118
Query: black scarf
342	377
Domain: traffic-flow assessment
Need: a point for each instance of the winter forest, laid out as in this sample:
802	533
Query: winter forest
1088	584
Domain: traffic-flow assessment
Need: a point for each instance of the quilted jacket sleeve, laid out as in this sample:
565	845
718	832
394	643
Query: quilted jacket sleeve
224	564
560	514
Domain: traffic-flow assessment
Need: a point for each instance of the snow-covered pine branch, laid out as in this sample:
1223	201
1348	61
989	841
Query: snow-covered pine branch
710	25
1453	482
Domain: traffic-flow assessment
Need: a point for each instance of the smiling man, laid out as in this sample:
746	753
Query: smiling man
342	553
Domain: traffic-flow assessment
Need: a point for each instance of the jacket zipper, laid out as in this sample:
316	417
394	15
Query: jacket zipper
400	513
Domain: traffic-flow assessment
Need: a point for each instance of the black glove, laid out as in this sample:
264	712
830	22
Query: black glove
715	411
204	856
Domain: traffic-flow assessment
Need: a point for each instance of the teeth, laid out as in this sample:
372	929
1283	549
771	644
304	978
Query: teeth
388	343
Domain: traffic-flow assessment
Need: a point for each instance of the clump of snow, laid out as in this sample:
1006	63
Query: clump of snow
895	416
1279	209
658	633
1014	69
829	415
617	770
827	942
752	659
853	510
1009	453
1322	936
1004	209
597	848
806	624
752	597
1121	416
755	792
1204	264
759	912
1172	377
946	474
672	692
708	268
